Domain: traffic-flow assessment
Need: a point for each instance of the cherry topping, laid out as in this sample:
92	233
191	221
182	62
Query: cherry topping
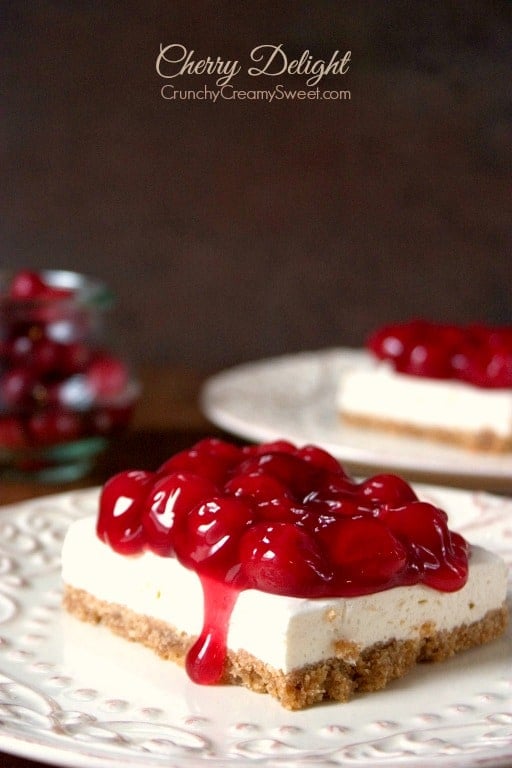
427	358
386	489
433	553
281	510
319	510
283	559
171	496
289	522
206	659
258	486
120	513
214	446
276	446
208	539
207	458
477	354
499	367
392	342
366	552
298	474
211	503
320	458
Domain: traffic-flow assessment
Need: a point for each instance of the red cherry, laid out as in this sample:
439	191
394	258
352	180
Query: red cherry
107	376
316	520
480	355
423	528
392	342
428	359
207	537
30	285
459	545
209	465
386	489
12	433
19	346
50	426
276	446
16	386
120	511
450	336
282	559
26	285
257	485
365	551
74	358
499	368
299	476
335	486
171	496
420	522
280	510
343	507
320	458
45	356
212	458
466	362
450	575
228	452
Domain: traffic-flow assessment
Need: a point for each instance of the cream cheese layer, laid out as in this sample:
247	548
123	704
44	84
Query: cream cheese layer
377	391
299	631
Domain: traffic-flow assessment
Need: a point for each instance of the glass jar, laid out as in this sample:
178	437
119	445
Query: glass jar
63	393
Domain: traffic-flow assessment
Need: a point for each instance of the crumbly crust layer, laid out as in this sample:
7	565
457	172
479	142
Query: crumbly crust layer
474	441
330	680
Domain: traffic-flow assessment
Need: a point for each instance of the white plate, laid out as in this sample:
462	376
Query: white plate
75	695
293	397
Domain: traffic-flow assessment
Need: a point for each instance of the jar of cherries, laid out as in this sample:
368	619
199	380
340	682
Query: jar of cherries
63	393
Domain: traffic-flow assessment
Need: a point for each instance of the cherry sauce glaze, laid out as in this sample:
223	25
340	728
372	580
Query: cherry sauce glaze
480	355
279	519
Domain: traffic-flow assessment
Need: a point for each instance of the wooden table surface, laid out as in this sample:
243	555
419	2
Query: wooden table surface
167	419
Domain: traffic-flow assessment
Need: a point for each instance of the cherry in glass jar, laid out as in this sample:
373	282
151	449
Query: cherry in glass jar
63	391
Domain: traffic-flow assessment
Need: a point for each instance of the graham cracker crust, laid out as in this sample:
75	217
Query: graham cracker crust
474	441
330	680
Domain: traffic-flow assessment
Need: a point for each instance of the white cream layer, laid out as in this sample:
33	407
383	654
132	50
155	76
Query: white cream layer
298	631
376	390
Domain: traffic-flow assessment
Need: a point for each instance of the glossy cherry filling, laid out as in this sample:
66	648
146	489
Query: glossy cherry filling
279	519
480	355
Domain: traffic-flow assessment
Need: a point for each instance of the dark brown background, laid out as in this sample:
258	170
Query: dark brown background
236	230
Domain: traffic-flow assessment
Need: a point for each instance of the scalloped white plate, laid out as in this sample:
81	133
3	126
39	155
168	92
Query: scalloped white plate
293	397
75	695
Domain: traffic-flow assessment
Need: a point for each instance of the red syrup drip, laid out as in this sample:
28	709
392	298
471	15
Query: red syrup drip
206	659
480	355
279	519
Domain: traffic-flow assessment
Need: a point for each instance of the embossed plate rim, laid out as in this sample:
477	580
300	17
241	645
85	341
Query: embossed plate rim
70	694
293	396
